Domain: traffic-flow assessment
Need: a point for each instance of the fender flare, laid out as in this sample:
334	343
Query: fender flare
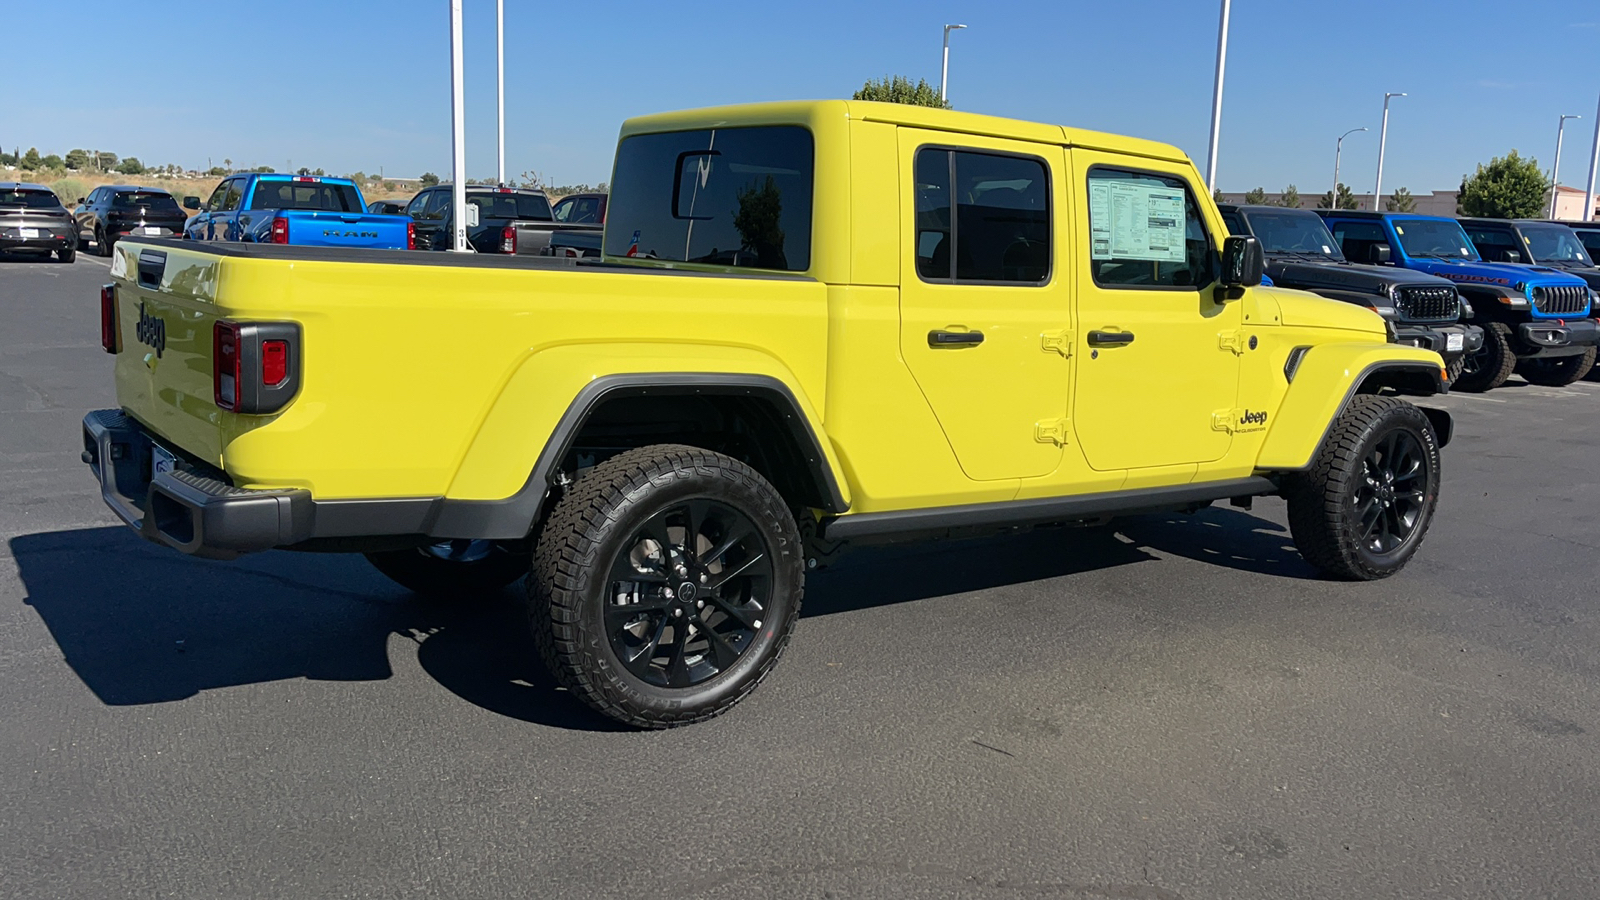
1431	376
511	518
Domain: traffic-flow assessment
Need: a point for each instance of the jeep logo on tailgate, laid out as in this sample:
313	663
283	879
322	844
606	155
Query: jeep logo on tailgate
334	232
151	330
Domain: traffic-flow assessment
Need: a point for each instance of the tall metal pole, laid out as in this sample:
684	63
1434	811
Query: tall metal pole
1338	146
458	129
1594	163
944	70
500	56
1383	140
1216	97
1555	170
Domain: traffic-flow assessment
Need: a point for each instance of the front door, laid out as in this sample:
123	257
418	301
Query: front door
1156	349
985	297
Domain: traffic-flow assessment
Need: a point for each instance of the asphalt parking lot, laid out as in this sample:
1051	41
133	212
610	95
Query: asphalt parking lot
1171	708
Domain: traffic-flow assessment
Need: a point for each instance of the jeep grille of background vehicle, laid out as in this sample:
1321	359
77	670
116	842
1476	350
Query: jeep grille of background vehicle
1561	300
1429	304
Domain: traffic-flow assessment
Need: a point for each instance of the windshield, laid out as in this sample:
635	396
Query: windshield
306	195
152	201
29	199
511	206
1554	243
1436	238
727	197
1293	232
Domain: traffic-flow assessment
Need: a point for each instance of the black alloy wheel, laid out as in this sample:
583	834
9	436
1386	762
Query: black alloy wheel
1392	496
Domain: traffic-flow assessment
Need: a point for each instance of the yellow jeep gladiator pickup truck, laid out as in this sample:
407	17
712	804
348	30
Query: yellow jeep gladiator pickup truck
813	324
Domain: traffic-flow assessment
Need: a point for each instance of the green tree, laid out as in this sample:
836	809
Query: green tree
1290	197
1509	187
899	89
77	159
7	159
53	162
30	160
216	171
108	161
1256	197
131	166
1400	201
228	163
1347	198
1216	194
429	179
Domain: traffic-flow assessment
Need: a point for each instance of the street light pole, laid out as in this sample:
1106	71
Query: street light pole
1383	140
944	70
500	57
1338	147
458	129
1594	163
1555	170
1216	97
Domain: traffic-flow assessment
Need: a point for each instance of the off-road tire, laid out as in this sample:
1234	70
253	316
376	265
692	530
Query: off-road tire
602	517
1326	503
1493	364
1558	371
1454	368
433	576
102	246
66	256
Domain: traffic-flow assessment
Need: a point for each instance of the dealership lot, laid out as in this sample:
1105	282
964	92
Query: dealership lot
1155	710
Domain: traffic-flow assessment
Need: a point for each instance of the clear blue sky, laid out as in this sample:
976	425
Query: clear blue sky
358	84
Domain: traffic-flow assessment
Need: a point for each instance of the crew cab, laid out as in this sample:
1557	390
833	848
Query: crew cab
305	210
1536	319
511	221
1422	310
815	325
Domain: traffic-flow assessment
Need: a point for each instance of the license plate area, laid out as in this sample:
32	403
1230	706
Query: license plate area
28	232
1455	342
150	229
161	461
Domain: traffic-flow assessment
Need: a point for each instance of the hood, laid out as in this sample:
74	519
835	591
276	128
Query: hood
1375	280
1506	275
1300	309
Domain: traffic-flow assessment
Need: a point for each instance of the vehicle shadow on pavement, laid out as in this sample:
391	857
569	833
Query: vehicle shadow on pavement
141	624
1222	536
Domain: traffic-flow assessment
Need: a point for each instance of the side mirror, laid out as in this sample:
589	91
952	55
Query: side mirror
191	202
1242	262
1378	255
80	201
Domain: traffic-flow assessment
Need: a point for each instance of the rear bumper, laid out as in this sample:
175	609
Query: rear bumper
1555	337
183	509
44	243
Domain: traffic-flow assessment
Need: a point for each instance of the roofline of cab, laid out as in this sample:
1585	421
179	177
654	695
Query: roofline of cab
804	112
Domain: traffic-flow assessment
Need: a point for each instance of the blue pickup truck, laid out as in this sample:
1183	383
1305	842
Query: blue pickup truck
307	210
1536	320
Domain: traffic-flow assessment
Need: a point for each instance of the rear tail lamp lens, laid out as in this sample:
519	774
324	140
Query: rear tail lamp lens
280	231
274	363
108	319
225	364
508	239
411	235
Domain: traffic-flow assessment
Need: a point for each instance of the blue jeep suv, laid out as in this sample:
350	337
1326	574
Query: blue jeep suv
1536	320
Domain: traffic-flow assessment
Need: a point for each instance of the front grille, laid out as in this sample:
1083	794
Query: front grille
1428	304
1562	300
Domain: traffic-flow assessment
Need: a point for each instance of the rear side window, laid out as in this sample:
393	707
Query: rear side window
578	210
151	201
1591	241
306	195
511	206
726	196
1495	245
1356	239
16	199
982	217
1145	231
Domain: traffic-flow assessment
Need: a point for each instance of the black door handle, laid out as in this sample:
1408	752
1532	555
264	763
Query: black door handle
1110	337
954	338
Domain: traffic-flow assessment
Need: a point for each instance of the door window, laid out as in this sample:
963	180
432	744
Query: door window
416	209
982	217
438	205
1145	231
235	195
1495	245
1357	239
218	196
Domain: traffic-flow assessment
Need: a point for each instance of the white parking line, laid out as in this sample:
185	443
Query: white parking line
101	262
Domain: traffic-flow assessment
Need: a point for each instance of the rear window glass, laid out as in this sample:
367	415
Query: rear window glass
306	195
131	200
726	196
1591	241
29	199
511	206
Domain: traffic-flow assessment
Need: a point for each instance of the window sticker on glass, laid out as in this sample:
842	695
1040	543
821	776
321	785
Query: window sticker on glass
1136	220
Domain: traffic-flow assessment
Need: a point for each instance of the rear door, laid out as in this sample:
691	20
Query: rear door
983	296
1152	359
427	211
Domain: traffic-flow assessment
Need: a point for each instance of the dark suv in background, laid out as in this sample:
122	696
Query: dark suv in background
33	219
115	211
1533	242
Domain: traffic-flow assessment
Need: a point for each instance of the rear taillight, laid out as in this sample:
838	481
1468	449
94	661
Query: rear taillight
280	231
226	366
411	235
508	239
255	365
109	337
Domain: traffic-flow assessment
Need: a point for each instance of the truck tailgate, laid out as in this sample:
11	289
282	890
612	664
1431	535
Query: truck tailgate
316	228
